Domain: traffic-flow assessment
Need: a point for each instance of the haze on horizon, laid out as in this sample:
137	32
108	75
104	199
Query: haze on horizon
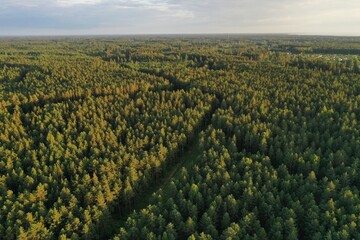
83	17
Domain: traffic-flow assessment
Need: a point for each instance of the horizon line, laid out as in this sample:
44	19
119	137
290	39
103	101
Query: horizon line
178	34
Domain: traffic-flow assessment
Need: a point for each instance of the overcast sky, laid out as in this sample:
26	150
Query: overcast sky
63	17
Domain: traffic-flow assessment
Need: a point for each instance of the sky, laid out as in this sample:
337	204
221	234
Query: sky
98	17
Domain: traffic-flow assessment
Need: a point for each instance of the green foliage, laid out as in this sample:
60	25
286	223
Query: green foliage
87	125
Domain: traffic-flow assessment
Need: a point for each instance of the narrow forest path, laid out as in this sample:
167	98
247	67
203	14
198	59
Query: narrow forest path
28	107
187	160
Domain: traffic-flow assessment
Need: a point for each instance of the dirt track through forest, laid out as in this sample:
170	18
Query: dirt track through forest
185	159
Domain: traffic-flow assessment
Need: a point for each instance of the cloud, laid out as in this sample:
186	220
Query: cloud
173	9
6	4
179	16
69	3
46	3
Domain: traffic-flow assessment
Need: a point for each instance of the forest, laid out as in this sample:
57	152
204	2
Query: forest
180	137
